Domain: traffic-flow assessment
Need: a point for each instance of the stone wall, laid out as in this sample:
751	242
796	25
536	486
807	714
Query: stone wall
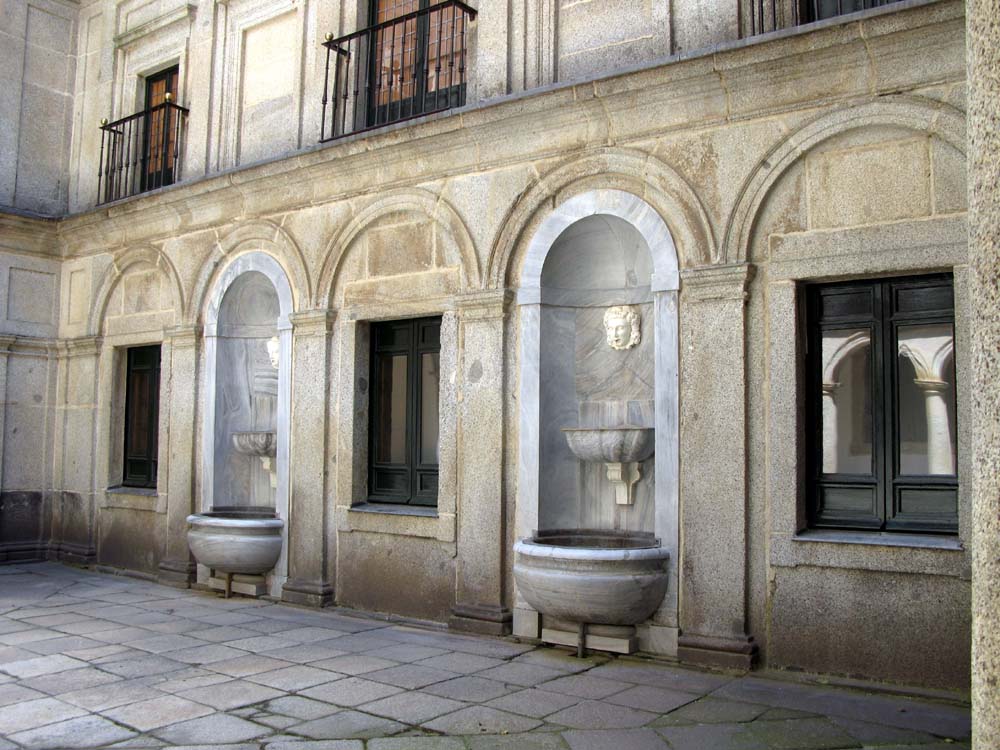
251	72
830	154
38	57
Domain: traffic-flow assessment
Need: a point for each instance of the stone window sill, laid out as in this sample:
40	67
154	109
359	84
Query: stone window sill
881	552
400	520
881	539
396	510
134	498
122	489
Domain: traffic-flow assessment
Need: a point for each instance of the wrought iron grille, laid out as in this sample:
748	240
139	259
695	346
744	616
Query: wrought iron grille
771	15
398	69
141	152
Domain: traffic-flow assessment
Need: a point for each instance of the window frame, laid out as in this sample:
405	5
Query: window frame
163	121
421	101
142	479
417	493
886	479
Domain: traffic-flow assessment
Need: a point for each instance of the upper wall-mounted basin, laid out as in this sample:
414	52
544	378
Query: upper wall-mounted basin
624	444
256	443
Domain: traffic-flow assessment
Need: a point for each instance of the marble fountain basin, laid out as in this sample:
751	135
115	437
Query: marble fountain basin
624	444
243	539
592	576
256	443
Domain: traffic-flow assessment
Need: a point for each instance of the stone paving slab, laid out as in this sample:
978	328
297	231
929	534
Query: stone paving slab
91	660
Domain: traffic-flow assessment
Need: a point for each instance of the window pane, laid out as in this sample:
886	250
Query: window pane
925	375
847	401
137	429
390	442
430	379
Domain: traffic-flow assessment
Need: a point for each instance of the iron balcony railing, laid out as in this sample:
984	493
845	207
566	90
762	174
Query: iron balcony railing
771	15
405	67
141	152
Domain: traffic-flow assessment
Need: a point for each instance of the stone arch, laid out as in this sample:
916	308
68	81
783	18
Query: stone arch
913	113
258	236
122	261
435	207
627	171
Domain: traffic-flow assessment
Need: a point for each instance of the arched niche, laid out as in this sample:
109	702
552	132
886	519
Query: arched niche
249	305
597	262
596	250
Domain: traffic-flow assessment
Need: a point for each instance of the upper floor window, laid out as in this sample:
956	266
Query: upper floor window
411	60
881	369
160	138
817	10
403	433
142	416
771	15
142	151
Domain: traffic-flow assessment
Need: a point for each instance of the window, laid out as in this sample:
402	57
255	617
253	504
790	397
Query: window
881	405
416	60
409	61
142	412
160	138
817	10
403	432
142	151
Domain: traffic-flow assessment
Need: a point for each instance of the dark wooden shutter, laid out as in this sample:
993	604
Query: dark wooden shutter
142	411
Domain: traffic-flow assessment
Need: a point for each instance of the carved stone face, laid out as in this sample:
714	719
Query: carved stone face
274	351
621	324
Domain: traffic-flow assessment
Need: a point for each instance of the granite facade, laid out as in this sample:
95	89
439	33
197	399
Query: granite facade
825	153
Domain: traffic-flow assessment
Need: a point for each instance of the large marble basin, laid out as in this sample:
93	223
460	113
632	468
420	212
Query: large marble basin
624	444
593	577
236	540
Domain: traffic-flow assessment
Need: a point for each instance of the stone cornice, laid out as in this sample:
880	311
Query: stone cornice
312	322
728	282
29	345
484	305
85	346
180	12
29	235
183	337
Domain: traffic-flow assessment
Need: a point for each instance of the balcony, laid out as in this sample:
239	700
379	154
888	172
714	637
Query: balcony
404	67
772	15
141	152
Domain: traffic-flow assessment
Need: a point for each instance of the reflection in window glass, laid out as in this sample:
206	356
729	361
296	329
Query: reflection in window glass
429	386
925	375
390	445
847	402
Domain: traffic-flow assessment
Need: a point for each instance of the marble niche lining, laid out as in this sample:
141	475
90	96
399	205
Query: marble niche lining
250	302
657	296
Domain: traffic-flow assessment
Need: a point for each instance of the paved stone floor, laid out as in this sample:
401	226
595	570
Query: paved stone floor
92	660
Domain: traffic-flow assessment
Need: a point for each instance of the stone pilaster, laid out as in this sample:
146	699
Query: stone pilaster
479	597
983	59
713	493
6	342
74	521
177	567
308	551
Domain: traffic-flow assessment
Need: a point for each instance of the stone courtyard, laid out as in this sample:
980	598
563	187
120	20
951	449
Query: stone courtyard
94	660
